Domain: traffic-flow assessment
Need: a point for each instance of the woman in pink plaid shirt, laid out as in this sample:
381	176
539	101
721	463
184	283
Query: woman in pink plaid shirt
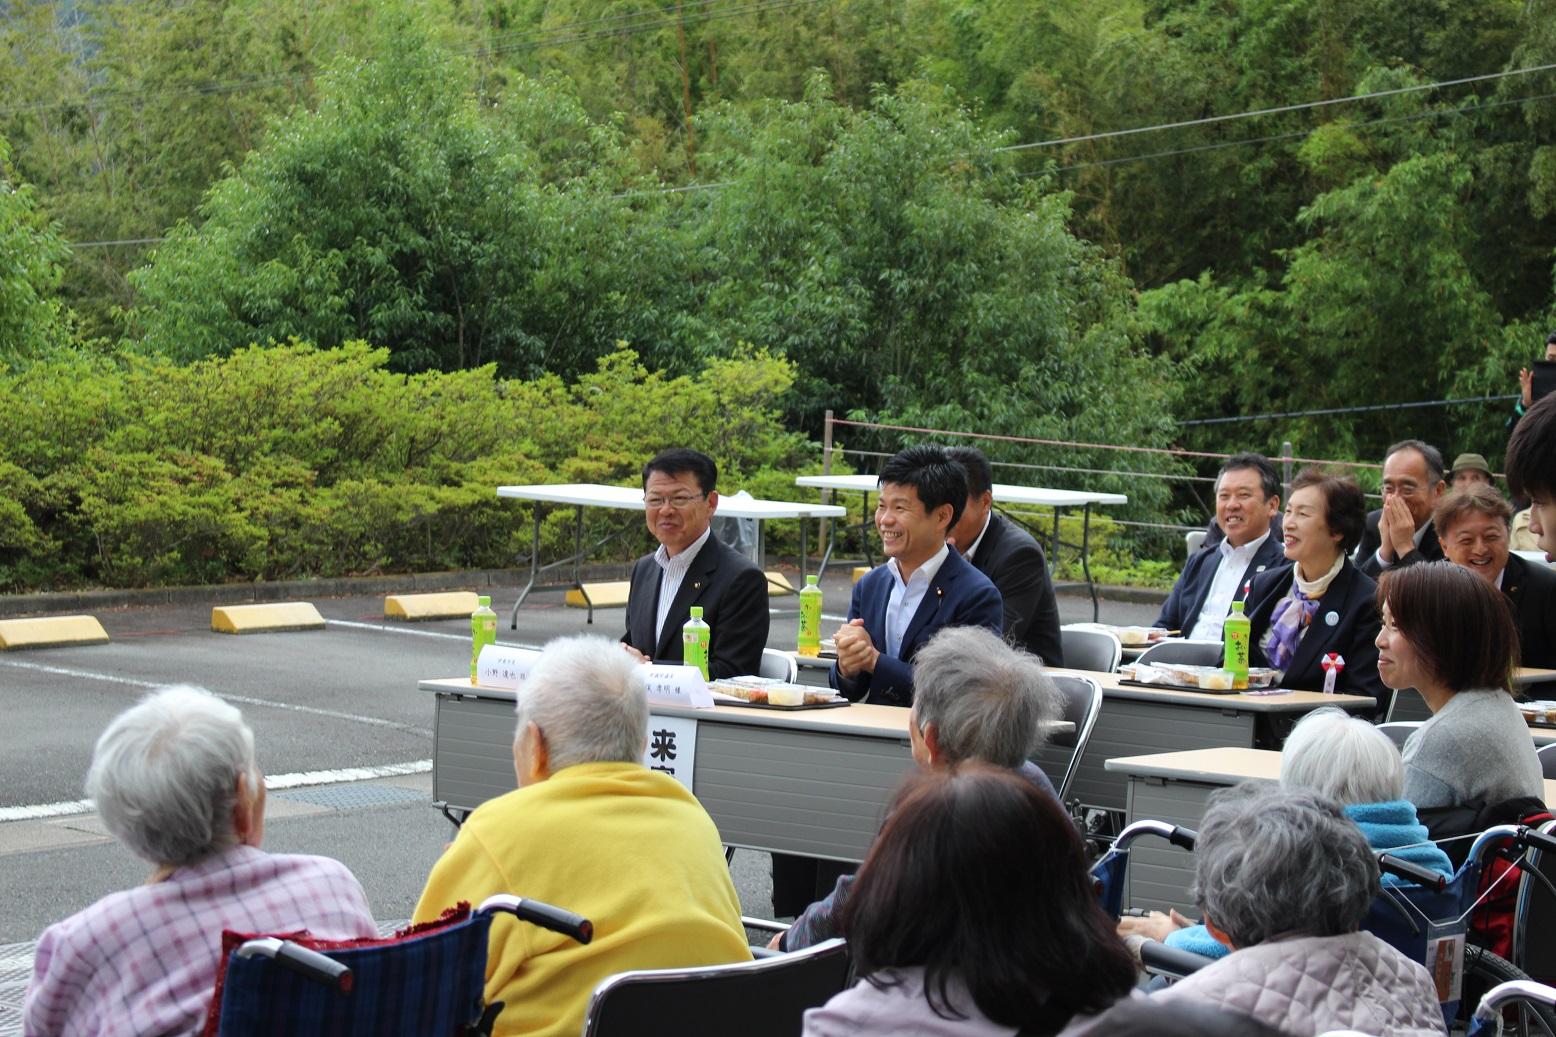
175	780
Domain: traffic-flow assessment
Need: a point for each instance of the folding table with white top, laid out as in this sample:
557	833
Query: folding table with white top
629	498
1004	493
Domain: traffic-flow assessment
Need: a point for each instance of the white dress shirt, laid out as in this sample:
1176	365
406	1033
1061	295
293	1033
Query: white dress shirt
973	547
1224	587
906	597
671	572
1378	554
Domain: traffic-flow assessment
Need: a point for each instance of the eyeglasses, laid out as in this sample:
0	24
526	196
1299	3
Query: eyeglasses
680	502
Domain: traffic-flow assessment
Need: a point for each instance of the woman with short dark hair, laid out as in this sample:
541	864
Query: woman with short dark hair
974	915
1321	605
1448	634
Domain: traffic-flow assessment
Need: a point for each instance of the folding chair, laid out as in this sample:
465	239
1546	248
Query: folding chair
1547	755
1400	730
778	664
762	998
1087	648
426	983
1061	755
1187	653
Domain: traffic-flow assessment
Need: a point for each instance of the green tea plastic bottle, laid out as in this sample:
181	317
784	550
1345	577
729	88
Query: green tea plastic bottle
695	636
1236	633
483	631
810	619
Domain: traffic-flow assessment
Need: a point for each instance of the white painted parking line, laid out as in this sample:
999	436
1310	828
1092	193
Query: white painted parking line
401	628
244	700
301	779
335	777
41	810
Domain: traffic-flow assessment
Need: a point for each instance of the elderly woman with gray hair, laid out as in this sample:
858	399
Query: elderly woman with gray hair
1285	879
175	780
1353	763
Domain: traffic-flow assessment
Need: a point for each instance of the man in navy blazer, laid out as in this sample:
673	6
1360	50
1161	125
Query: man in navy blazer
1247	503
924	585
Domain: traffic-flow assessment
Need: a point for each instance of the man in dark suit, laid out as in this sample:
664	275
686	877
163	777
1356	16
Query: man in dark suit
1011	559
924	585
1247	503
690	568
1400	532
1473	525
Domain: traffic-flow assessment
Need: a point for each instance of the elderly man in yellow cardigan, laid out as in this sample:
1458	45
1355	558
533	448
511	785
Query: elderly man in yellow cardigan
592	830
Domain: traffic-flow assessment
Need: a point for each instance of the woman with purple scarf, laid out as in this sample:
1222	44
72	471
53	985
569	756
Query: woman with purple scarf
1315	621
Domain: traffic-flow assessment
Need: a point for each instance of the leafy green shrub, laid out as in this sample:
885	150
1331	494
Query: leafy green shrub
291	461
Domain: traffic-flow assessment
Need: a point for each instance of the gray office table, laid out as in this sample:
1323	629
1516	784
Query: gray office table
1173	787
813	782
1527	680
1004	493
1136	720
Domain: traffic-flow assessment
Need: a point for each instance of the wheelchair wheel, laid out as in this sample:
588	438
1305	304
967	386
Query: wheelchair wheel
1484	970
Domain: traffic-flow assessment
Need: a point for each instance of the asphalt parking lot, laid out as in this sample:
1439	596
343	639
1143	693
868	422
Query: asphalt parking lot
338	722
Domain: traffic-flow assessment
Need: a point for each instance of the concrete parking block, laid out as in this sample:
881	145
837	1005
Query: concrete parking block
445	605
606	595
264	619
51	632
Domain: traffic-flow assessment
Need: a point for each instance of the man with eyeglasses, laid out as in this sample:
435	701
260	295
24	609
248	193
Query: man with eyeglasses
692	567
1247	502
1400	532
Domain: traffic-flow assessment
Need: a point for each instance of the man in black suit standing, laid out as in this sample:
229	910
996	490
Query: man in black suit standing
1011	559
692	567
1400	532
1247	503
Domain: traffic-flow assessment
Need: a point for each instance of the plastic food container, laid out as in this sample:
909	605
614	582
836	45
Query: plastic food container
786	695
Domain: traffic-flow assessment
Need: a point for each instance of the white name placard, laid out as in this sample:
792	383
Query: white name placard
502	666
672	746
670	685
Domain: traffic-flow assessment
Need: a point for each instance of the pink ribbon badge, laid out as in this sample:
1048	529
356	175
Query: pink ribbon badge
1332	665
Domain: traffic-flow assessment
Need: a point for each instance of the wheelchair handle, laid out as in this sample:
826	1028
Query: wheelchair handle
1537	839
546	916
309	964
1174	961
1175	834
1415	873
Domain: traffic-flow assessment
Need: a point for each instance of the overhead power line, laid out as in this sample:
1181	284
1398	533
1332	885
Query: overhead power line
1434	113
1280	109
1347	410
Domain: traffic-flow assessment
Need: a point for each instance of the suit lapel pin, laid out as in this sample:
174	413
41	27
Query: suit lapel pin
1261	568
1332	618
696	585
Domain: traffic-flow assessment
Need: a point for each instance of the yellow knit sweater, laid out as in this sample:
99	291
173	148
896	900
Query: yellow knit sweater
627	848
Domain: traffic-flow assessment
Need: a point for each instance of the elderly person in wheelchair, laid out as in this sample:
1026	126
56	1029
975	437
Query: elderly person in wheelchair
1285	880
1353	763
591	828
175	780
